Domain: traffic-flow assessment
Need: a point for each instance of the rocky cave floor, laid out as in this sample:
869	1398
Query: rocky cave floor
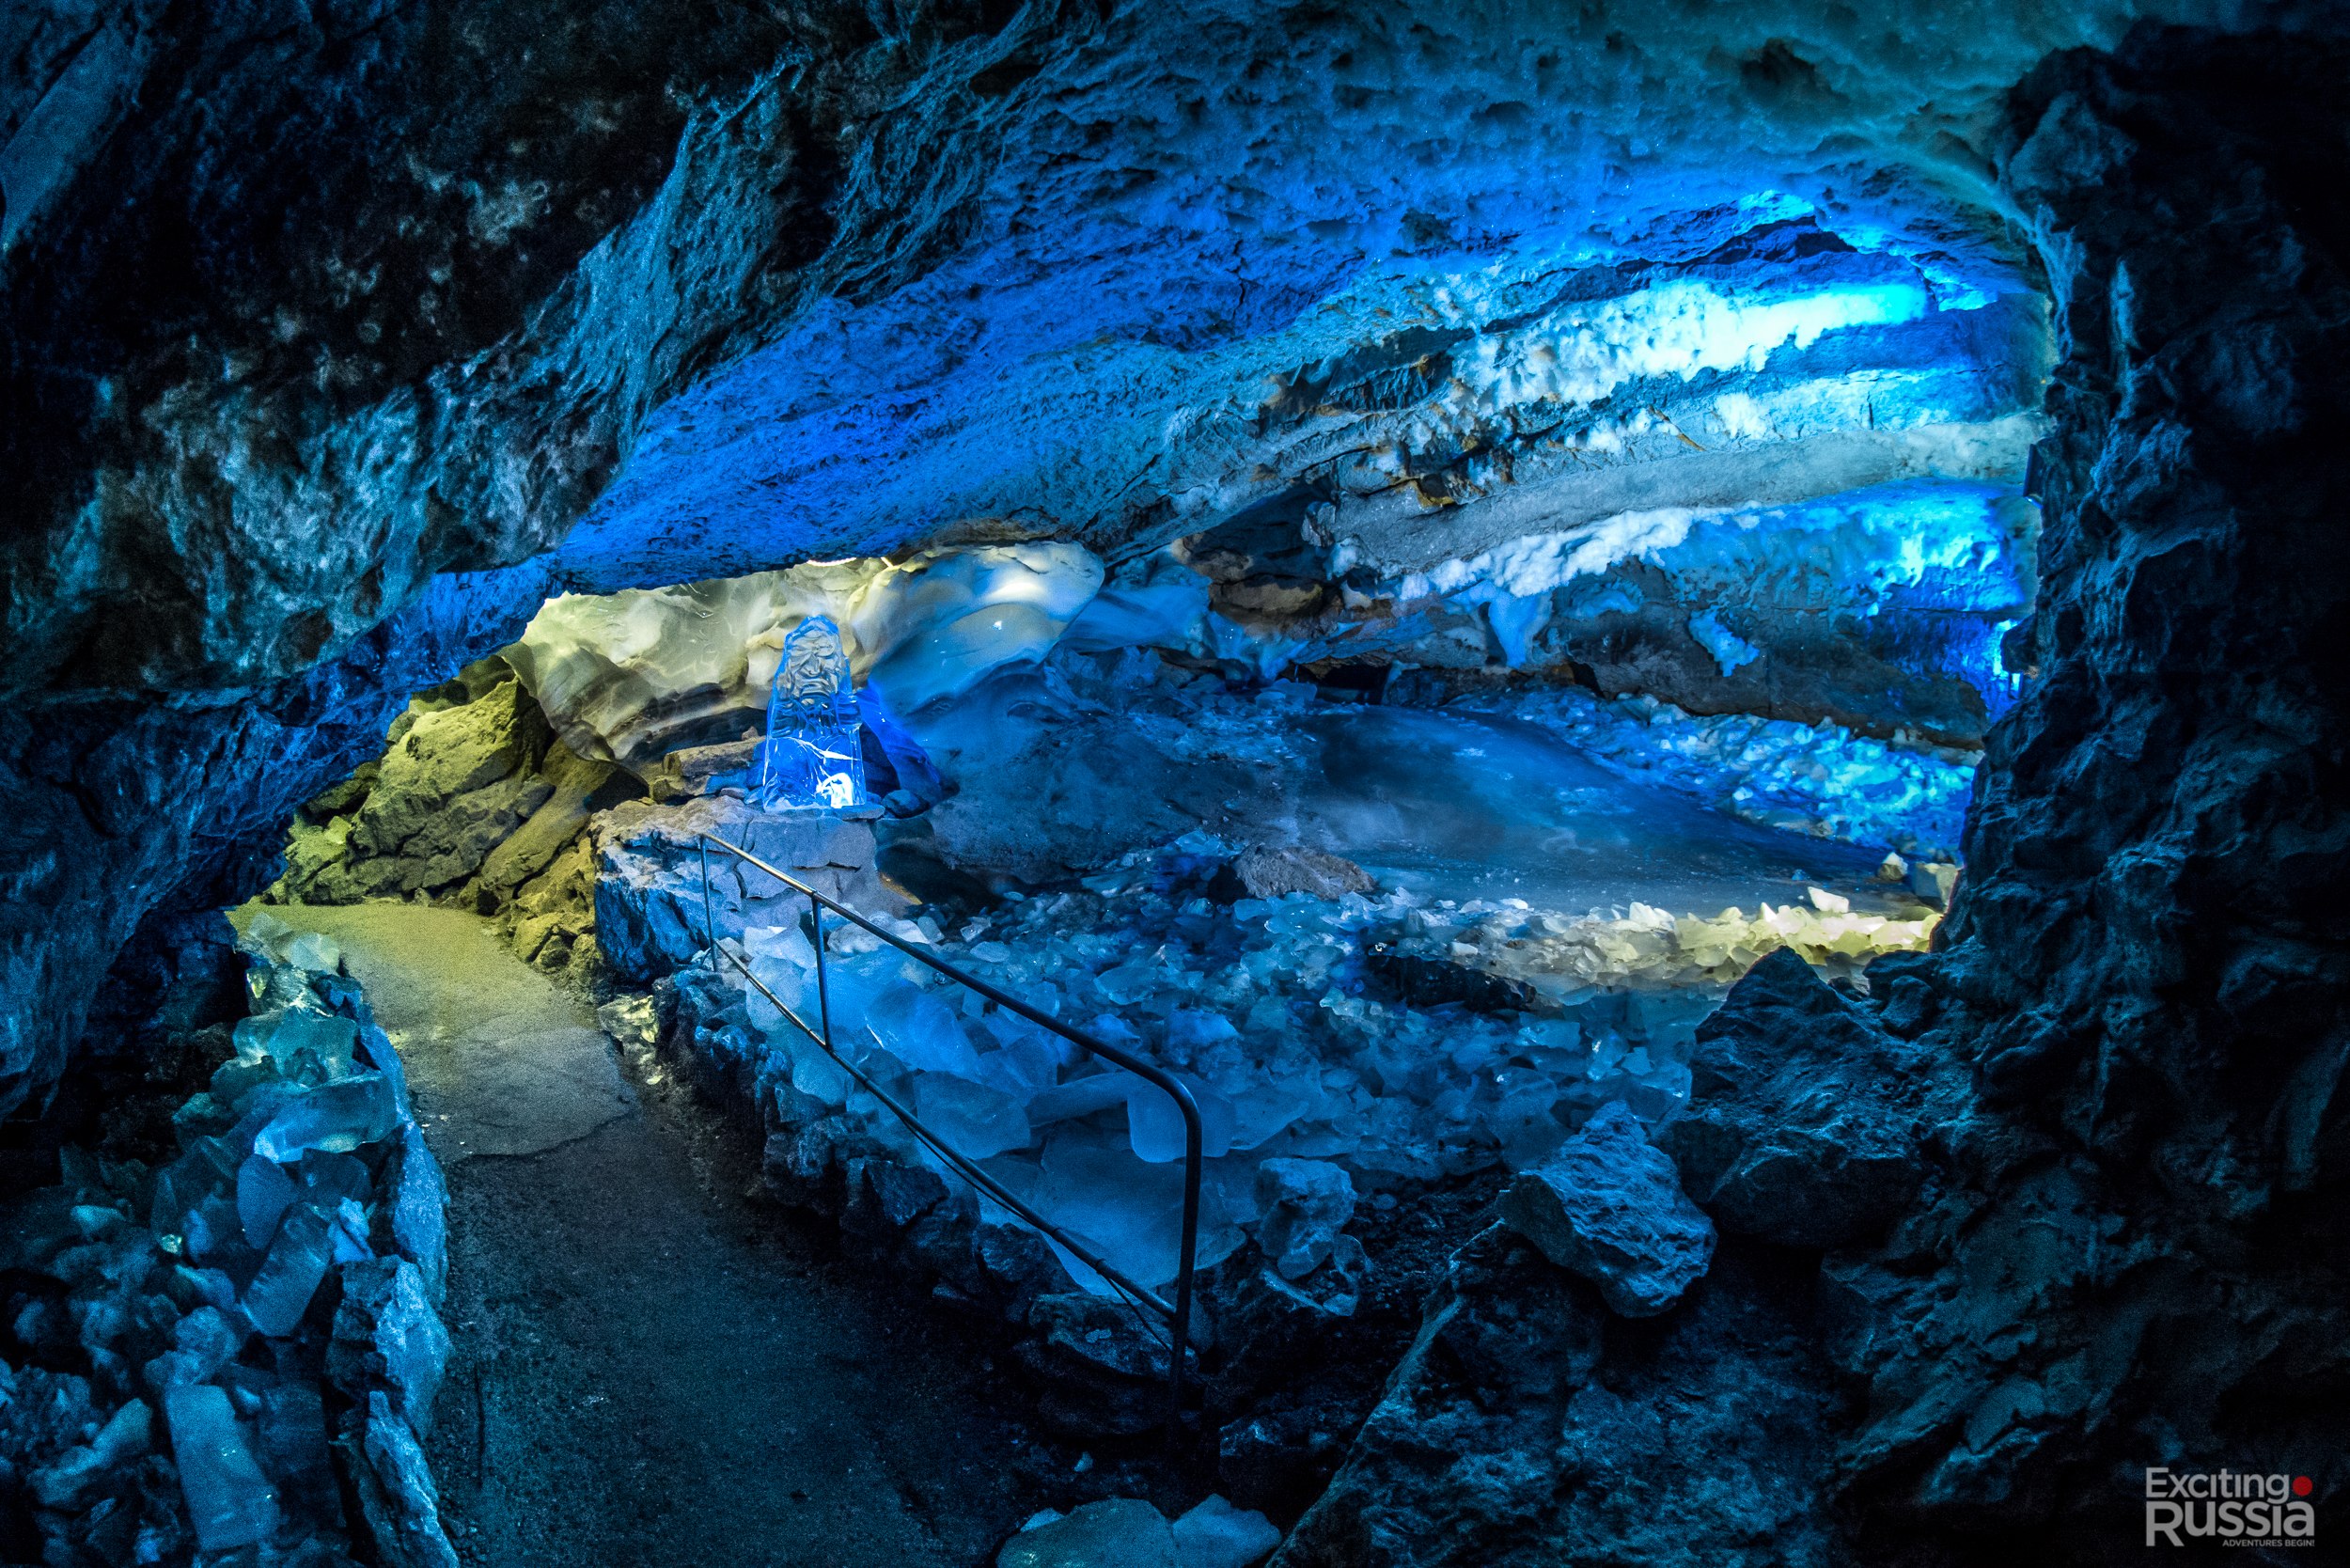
651	1361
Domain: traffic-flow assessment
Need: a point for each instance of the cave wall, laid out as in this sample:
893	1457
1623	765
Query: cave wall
2144	973
305	311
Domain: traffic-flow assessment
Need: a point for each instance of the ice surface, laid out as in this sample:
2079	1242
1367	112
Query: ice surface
290	1275
914	1026
1822	780
263	1192
1502	851
975	1120
231	1501
334	1118
1464	806
1155	1124
297	1038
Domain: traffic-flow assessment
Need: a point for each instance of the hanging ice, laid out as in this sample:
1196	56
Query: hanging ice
812	755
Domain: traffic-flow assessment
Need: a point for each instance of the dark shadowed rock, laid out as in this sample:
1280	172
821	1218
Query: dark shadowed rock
1529	1428
1804	1124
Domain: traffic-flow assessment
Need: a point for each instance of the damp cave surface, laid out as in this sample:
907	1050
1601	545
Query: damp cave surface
1674	665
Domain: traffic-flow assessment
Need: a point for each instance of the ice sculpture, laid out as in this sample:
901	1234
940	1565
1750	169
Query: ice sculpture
812	757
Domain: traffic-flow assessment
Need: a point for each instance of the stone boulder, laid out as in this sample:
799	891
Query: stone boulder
1610	1208
1275	872
1528	1427
1806	1119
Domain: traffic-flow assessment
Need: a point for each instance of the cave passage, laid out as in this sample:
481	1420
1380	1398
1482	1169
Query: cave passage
1678	664
646	1367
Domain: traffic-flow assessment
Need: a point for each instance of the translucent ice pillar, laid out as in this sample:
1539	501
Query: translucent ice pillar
811	756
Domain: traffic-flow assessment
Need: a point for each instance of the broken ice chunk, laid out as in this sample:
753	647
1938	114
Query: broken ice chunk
1118	1533
1156	1124
314	951
1023	1069
292	1426
263	935
976	1120
916	1028
231	1501
814	1073
1078	1097
263	1191
348	1238
1933	882
335	1117
207	1168
1306	1202
284	1037
290	1275
1130	1213
1190	1029
127	1434
1264	1106
328	1179
1217	1535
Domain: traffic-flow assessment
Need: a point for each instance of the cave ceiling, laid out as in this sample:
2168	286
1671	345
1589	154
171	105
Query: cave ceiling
306	308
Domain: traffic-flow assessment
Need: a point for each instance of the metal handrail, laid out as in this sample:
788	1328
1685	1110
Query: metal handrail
1179	1314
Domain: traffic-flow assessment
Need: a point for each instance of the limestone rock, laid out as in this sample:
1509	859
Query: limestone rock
396	1495
1272	873
1804	1121
1522	1430
388	1339
1306	1204
1609	1207
444	755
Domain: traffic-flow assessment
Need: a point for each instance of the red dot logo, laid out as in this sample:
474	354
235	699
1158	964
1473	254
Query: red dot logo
2301	1487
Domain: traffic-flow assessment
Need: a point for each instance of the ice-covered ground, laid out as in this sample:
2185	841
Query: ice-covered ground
1817	779
1466	805
1315	1033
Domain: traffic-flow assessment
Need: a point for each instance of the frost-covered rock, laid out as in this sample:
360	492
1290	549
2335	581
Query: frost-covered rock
1306	1204
1609	1207
1269	872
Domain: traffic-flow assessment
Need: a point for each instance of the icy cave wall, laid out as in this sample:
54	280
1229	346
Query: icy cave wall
305	309
999	272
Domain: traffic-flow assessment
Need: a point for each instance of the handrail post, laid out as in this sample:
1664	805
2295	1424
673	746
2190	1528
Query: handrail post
1187	1262
710	926
823	991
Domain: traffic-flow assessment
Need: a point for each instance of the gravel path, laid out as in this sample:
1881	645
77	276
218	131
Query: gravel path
649	1368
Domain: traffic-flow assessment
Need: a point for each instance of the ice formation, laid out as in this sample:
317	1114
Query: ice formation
294	1245
811	756
1318	1070
1821	780
632	676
